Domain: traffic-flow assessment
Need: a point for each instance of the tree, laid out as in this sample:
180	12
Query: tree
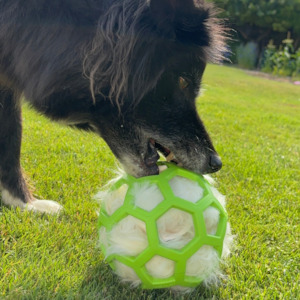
260	20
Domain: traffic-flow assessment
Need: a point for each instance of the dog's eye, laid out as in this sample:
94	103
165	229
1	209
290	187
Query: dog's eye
183	83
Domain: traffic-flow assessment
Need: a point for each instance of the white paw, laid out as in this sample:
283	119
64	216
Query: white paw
44	206
10	200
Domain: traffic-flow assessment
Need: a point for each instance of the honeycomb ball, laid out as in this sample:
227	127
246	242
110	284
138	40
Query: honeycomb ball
167	230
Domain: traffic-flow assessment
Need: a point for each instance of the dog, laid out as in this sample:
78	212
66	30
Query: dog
128	70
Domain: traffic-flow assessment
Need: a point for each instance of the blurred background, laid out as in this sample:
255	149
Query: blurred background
265	36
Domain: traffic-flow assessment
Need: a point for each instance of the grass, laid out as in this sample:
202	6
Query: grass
255	126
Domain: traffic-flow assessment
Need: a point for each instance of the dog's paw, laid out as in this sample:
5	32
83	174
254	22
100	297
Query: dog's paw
44	206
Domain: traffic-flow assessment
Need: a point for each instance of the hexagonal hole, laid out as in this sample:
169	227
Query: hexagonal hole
203	263
186	189
175	228
126	273
160	267
147	195
115	199
211	219
128	237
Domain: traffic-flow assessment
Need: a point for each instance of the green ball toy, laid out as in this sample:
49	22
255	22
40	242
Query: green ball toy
163	231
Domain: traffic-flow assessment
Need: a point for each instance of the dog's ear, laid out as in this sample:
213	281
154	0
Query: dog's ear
166	9
163	13
182	20
192	27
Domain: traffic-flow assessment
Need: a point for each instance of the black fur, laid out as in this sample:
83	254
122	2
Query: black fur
128	70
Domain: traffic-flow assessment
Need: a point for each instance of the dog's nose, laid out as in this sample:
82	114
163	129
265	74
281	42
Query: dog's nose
215	163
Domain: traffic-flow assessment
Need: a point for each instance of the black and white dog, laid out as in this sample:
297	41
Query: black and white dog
129	70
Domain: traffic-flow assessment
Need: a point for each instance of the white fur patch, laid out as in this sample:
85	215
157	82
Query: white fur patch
160	267
9	200
128	237
147	196
209	263
186	189
127	274
115	200
43	206
175	228
210	180
130	167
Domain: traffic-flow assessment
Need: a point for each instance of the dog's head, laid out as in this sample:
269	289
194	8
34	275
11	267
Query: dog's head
155	58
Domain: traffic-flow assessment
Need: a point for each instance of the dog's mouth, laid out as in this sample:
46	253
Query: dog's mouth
167	153
153	155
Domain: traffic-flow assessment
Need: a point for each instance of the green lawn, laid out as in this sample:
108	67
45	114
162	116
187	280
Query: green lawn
255	126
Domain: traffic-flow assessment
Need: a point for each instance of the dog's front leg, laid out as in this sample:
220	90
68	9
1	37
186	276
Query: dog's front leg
14	190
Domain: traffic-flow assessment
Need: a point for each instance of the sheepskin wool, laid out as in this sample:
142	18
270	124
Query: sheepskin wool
175	230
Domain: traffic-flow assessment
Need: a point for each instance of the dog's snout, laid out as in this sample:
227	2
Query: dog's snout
215	163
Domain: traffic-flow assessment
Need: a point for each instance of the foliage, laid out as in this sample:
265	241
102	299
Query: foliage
278	15
247	55
283	62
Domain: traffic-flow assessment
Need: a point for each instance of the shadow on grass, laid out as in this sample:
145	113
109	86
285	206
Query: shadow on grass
102	283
